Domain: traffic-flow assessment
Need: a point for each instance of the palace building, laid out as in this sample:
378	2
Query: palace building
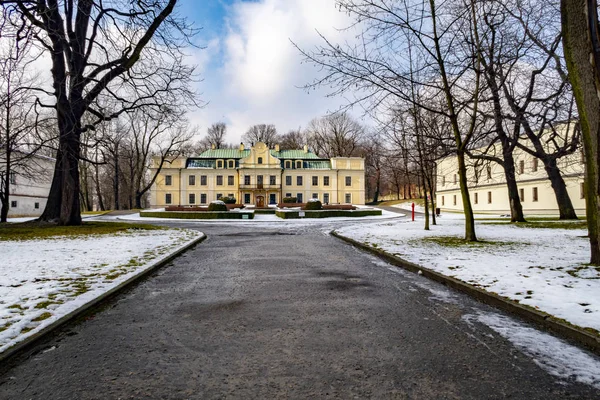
258	176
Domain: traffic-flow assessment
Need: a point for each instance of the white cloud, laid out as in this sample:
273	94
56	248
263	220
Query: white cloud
261	70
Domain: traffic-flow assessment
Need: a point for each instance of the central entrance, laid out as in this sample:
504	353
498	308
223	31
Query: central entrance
260	201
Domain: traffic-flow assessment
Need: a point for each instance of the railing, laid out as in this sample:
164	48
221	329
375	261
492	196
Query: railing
258	186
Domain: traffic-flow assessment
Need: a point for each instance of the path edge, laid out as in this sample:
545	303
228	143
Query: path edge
573	333
69	317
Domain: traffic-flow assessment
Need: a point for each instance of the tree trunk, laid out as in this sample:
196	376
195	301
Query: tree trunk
466	199
377	184
98	191
138	200
116	180
578	30
516	208
565	206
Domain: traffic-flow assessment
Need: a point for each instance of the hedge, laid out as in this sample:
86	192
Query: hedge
327	213
197	215
264	211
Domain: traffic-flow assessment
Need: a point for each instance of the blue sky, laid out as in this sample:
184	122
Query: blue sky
250	70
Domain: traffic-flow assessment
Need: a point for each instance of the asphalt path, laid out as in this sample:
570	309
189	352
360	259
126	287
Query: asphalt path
261	312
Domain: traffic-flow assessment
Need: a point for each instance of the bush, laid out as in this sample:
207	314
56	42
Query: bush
228	200
197	215
217	205
313	204
290	199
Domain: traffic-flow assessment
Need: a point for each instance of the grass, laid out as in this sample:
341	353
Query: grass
37	230
545	223
454	241
42	317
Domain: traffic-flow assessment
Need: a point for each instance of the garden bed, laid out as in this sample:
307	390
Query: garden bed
198	215
294	214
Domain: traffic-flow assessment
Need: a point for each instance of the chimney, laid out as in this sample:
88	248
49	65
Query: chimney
277	147
306	148
213	147
241	146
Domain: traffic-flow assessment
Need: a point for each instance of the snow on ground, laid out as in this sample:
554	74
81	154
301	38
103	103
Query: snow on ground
43	280
408	207
553	355
543	268
268	218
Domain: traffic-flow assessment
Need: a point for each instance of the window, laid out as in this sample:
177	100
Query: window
219	163
203	180
521	166
272	180
247	198
315	196
475	198
36	206
454	200
443	200
288	195
455	180
192	180
230	180
348	198
522	194
219	196
299	181
272	198
230	195
476	173
326	198
443	180
192	198
259	180
231	164
288	181
13	204
315	181
246	179
534	197
260	160
299	197
348	181
325	181
534	165
298	164
13	178
489	172
219	180
288	164
168	198
203	198
581	190
168	180
489	197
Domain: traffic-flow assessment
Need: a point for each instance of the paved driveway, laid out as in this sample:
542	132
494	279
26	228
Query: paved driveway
287	312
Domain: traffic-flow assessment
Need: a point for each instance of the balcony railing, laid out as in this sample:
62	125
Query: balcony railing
258	186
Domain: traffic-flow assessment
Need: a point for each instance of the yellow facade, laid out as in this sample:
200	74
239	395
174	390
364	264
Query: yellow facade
258	176
488	191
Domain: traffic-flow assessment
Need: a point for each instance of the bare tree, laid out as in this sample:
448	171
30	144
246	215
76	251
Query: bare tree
376	71
261	133
294	139
129	52
215	135
335	135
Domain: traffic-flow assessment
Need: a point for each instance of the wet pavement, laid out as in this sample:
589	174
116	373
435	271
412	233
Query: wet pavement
260	311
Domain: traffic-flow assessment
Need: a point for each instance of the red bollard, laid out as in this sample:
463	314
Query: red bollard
413	211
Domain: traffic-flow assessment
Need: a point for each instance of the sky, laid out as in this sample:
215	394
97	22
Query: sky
251	73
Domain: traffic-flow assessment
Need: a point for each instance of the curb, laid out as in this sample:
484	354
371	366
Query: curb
547	321
10	352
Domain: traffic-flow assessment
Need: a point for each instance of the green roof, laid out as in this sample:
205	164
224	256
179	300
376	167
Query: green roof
236	154
224	153
294	154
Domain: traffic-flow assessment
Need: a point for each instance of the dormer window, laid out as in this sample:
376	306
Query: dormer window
231	164
260	160
298	164
288	164
219	163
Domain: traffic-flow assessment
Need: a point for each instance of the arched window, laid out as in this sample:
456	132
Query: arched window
288	164
220	164
260	160
231	164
